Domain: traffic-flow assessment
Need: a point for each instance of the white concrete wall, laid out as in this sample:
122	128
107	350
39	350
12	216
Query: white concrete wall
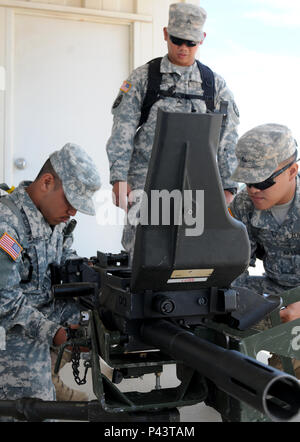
147	19
144	19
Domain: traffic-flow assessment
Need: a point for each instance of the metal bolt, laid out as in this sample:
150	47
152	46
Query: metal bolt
202	300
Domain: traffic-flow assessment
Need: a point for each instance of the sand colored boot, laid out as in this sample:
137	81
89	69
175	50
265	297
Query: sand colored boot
63	392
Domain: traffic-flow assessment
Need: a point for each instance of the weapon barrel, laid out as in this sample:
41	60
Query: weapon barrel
37	410
268	390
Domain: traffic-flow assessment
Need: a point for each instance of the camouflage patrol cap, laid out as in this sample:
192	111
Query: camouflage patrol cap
186	21
79	176
260	151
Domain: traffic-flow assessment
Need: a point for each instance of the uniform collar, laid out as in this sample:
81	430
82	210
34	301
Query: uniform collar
38	225
167	67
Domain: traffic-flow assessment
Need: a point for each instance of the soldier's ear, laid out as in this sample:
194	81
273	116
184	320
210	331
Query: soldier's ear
166	34
47	182
293	170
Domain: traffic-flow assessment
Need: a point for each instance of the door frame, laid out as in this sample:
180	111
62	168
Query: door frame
12	8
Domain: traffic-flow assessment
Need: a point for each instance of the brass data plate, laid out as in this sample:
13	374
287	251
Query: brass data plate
193	273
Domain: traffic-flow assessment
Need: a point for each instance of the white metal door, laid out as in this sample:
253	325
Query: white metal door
67	74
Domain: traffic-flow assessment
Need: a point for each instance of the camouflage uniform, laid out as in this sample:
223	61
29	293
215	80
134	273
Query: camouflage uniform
28	312
259	152
129	149
281	258
281	243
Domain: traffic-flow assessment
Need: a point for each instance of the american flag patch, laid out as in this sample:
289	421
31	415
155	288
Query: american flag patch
10	246
126	86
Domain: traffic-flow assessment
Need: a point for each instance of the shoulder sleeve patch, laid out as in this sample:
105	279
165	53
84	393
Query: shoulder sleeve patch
10	246
126	86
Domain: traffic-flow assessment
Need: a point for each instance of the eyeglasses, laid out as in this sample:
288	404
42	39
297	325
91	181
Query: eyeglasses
263	185
179	42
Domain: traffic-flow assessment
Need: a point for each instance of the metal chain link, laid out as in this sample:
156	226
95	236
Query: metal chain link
75	359
75	366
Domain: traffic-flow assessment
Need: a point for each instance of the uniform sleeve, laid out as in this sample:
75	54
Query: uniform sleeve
126	116
14	308
226	154
240	211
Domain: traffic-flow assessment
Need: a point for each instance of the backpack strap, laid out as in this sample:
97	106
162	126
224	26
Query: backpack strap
154	93
208	85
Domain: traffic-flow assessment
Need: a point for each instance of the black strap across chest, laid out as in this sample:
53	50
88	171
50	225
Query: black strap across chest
154	93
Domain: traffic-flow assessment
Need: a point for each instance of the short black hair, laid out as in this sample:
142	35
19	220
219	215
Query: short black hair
48	168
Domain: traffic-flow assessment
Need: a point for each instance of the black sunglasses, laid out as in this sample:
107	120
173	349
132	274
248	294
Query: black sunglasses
263	185
179	42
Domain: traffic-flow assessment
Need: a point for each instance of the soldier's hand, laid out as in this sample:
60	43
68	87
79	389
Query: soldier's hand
290	313
61	337
121	191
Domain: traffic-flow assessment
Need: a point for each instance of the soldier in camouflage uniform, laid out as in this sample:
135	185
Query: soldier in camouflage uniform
33	223
129	147
269	206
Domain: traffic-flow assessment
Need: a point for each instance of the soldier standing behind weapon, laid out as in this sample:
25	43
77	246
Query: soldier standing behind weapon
269	206
176	86
33	224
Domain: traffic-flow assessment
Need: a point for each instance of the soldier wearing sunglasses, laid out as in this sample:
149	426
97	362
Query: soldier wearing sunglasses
269	206
181	90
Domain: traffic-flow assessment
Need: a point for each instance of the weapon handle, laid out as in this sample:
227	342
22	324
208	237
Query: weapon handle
64	291
59	356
